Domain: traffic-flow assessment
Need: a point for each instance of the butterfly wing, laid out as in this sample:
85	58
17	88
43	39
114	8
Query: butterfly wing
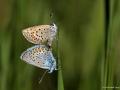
37	34
52	35
40	34
39	56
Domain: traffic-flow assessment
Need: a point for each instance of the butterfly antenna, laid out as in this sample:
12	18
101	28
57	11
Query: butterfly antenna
51	14
42	76
51	17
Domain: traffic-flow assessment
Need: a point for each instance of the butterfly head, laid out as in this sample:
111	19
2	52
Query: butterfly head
53	25
53	29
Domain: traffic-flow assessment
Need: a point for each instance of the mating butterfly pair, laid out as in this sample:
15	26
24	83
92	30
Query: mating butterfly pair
40	55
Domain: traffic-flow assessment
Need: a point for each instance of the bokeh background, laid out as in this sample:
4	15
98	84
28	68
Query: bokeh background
88	45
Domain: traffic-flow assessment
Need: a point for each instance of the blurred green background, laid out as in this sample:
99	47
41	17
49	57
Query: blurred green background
89	44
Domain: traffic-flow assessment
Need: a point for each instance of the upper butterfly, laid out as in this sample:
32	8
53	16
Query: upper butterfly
40	34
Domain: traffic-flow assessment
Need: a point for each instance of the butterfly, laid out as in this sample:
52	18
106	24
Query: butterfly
40	56
40	34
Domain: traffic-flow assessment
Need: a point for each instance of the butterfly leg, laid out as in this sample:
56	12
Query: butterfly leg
59	67
49	42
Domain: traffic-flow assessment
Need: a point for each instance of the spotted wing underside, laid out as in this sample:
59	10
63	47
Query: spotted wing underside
38	55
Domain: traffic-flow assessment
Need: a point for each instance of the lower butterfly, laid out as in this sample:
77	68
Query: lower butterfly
40	56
